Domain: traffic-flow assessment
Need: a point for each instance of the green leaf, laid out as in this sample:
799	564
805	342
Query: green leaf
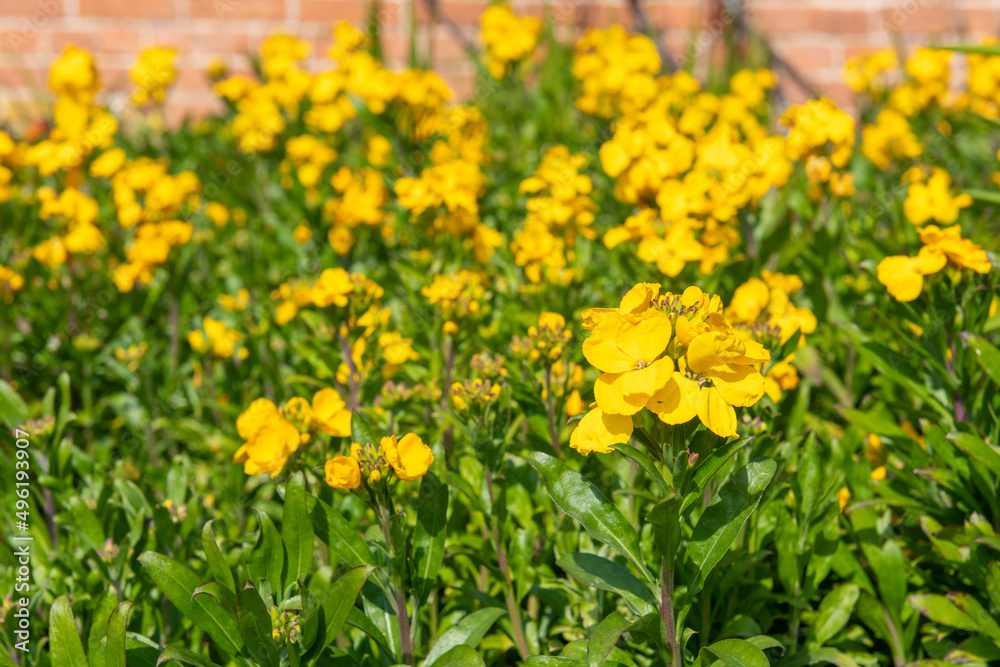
178	583
361	432
297	529
339	601
459	656
604	637
553	661
707	468
665	517
255	627
221	594
987	356
975	649
957	610
470	631
268	556
358	619
987	196
834	612
890	572
432	519
114	655
737	653
721	521
984	453
645	462
599	572
13	409
577	496
183	656
993	585
985	50
106	605
66	649
342	537
216	562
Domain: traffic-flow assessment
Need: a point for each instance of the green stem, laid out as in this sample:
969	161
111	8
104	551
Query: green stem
405	640
667	614
550	412
513	610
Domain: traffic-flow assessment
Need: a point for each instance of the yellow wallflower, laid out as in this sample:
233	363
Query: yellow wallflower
409	457
508	38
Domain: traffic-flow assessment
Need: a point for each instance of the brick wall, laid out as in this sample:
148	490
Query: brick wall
814	36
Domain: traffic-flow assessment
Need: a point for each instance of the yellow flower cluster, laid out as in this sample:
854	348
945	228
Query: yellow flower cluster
235	303
408	458
984	82
904	276
132	355
396	351
929	72
450	190
150	247
818	127
700	157
143	191
865	73
218	339
930	200
310	155
475	394
459	296
362	196
547	341
273	434
10	282
79	125
889	138
763	309
508	39
76	234
675	355
153	73
618	71
558	211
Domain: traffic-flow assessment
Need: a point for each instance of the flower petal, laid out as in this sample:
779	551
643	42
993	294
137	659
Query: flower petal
677	401
717	415
609	391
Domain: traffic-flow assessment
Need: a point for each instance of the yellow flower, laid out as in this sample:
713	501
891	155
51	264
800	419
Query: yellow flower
108	163
931	201
961	253
873	449
598	431
269	448
843	497
629	355
330	413
904	276
343	472
333	288
410	458
217	213
508	38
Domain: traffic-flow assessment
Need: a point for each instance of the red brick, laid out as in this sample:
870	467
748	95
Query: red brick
806	58
217	44
38	11
335	10
227	10
675	15
119	41
775	20
19	41
128	8
913	18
